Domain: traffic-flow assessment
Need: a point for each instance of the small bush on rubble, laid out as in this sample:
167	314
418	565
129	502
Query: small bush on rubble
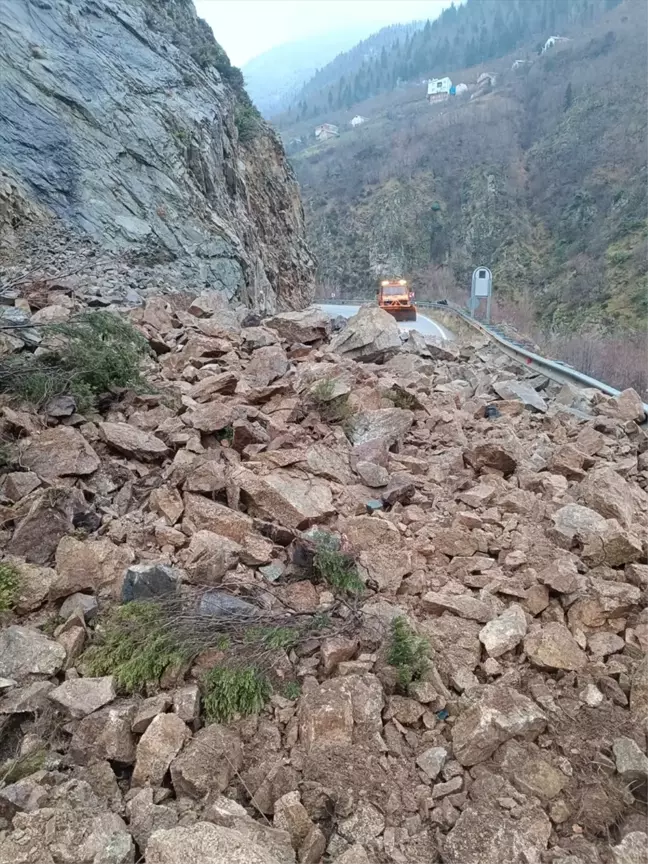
407	652
89	355
9	587
135	646
334	566
228	693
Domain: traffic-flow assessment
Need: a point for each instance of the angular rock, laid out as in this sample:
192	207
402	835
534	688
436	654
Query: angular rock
370	335
58	452
561	576
369	532
211	417
149	582
431	761
89	565
631	762
266	365
609	494
366	823
328	714
33	584
505	632
18	484
553	647
210	556
568	461
105	735
148	710
384	424
207	763
50	517
81	696
85	604
464	605
157	748
634	846
639	693
290	500
25	651
132	441
530	773
487	834
501	454
626	406
186	703
290	815
167	501
334	650
514	389
372	475
204	843
145	817
326	462
305	325
501	713
212	516
313	847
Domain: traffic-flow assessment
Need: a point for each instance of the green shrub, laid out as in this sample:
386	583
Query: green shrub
228	693
93	353
407	652
226	434
16	769
335	567
136	646
248	122
292	690
9	586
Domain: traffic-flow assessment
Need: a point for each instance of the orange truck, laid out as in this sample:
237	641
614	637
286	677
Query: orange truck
395	297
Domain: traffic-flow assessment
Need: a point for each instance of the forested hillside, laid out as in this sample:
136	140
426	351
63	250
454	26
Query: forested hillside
543	179
462	36
332	78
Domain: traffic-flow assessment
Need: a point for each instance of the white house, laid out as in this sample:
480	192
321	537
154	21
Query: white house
438	89
326	130
358	120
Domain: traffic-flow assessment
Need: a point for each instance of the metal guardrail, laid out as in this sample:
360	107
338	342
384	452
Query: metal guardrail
554	369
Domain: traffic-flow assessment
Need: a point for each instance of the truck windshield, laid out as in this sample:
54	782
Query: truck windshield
394	290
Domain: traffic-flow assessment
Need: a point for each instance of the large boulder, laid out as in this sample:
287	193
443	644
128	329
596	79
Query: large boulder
157	748
339	710
384	424
202	513
304	325
487	834
204	843
210	556
133	441
25	651
58	452
89	565
553	647
105	735
81	696
208	763
499	714
292	500
370	335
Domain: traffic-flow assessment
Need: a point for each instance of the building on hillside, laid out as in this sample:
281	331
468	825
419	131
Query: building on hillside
327	130
554	40
438	89
358	120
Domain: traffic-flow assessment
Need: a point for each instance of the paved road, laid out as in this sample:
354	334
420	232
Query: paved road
422	324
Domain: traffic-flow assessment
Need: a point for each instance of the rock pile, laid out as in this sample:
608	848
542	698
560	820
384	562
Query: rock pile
477	503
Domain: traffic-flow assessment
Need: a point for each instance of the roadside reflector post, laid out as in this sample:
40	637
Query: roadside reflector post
482	286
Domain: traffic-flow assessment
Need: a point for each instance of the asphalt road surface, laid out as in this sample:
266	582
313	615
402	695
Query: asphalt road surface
422	324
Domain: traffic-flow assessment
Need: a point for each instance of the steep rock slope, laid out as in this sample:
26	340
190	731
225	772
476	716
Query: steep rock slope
126	120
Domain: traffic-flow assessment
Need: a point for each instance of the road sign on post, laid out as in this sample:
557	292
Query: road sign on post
482	286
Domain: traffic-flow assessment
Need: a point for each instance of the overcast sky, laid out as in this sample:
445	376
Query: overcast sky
246	28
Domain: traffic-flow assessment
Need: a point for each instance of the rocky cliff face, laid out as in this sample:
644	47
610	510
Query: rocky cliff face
126	121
